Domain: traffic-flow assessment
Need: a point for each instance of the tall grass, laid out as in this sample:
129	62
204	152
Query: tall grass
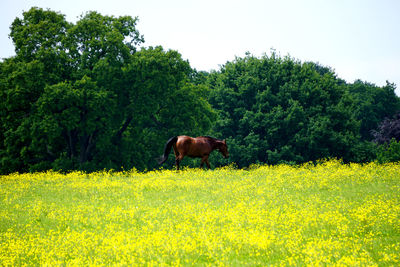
329	214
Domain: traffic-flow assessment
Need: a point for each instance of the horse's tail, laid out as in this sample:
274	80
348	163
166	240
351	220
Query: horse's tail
167	149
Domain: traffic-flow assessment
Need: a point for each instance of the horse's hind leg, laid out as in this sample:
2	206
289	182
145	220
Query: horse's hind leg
178	160
177	157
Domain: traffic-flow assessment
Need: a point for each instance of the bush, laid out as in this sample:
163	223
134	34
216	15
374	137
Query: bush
389	152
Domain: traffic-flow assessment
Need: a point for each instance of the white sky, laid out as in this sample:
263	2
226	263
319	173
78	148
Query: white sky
359	39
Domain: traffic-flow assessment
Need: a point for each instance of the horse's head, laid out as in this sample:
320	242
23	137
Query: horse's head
223	148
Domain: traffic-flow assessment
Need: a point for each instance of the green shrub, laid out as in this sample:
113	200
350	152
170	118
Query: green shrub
389	152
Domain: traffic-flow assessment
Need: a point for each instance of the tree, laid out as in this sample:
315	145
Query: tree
71	119
39	60
372	104
387	130
25	78
83	96
387	136
164	103
274	110
53	85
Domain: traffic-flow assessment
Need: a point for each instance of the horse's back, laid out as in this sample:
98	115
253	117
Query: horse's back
184	142
190	146
184	139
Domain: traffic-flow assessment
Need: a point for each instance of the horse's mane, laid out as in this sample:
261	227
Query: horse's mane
212	140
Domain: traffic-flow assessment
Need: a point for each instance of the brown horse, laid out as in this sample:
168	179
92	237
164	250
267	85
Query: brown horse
199	147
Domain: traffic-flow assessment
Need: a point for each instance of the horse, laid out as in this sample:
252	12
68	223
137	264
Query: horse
199	147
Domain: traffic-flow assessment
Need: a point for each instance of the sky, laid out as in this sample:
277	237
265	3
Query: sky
358	39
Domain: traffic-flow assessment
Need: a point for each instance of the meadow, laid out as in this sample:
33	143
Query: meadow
325	214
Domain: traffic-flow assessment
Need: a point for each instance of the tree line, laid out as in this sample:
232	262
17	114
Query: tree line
88	96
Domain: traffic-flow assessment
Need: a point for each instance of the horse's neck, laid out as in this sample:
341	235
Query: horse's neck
215	144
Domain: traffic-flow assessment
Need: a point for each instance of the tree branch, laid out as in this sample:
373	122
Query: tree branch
118	135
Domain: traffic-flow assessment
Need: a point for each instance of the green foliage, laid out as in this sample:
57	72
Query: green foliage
389	152
278	110
81	96
372	104
20	86
164	103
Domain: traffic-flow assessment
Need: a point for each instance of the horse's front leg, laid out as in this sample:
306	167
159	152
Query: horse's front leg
204	159
208	163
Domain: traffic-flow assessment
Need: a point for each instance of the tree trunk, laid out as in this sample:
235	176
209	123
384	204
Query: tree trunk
87	144
71	140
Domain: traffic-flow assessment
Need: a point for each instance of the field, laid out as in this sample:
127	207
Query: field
328	214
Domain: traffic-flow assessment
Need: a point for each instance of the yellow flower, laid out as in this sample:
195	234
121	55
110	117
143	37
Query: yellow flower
326	214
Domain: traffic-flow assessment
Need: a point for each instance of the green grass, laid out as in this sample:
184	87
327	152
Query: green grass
330	214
